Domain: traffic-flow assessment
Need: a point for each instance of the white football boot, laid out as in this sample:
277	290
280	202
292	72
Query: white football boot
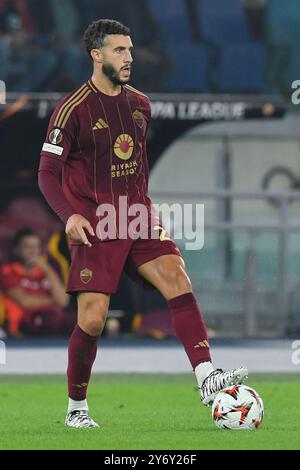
217	380
80	419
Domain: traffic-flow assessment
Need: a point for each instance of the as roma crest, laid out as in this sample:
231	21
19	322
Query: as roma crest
86	275
139	118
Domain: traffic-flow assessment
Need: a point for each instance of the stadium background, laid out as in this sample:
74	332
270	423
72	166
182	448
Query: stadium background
225	133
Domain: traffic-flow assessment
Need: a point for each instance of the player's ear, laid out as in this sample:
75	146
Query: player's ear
97	55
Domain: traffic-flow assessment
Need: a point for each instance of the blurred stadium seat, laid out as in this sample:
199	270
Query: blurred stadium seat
191	68
283	22
223	22
242	68
293	69
172	22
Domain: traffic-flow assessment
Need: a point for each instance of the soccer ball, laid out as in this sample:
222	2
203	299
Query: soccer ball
238	407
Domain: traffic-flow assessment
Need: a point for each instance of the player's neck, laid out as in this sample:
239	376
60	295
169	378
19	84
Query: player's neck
103	84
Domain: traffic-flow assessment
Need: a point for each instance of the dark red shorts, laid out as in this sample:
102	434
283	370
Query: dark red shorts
99	268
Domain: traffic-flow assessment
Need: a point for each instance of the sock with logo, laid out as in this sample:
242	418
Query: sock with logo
81	355
190	329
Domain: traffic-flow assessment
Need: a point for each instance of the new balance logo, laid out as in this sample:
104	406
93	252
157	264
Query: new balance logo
100	124
202	344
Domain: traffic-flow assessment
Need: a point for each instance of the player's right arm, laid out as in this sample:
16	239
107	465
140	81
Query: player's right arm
61	132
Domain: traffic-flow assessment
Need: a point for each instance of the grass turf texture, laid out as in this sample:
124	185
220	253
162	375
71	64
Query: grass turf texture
141	411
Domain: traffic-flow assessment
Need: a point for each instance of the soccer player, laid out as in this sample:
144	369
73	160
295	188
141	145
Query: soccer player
97	140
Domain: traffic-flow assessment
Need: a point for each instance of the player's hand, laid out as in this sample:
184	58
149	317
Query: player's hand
75	229
42	263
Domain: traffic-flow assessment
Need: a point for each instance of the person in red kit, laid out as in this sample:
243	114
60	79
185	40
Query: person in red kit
97	140
34	295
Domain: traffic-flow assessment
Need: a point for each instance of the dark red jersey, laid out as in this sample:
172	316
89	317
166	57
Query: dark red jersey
100	143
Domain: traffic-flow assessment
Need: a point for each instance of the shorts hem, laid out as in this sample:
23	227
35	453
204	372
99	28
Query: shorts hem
99	290
158	255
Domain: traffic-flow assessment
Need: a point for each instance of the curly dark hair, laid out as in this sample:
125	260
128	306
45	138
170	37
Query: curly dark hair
97	31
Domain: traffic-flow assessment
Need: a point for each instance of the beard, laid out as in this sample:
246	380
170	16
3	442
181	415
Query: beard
113	75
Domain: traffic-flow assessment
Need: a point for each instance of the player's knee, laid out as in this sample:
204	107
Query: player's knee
94	317
178	282
182	283
94	326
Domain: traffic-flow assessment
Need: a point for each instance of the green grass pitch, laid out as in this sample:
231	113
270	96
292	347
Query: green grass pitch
142	411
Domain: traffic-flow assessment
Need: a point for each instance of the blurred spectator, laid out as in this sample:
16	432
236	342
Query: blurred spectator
15	8
63	10
41	14
41	42
34	296
192	16
66	43
88	11
255	12
2	317
26	63
112	328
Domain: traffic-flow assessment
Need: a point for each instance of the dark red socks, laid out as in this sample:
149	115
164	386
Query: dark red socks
81	355
190	328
